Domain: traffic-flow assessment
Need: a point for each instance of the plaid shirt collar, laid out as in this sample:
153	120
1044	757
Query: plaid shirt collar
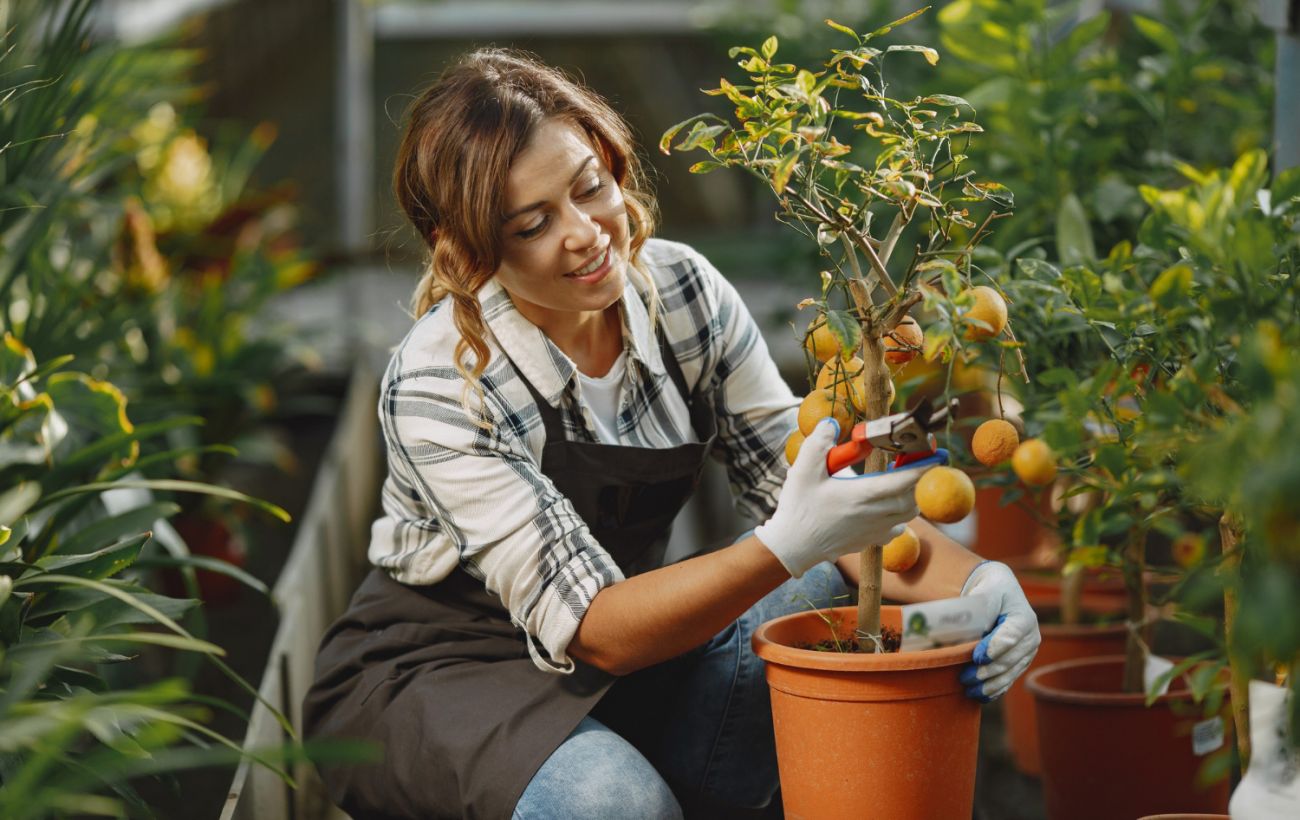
543	364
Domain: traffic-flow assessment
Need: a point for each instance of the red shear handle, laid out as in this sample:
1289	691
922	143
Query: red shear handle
850	452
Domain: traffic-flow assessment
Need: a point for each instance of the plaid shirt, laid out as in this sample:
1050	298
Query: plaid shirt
459	494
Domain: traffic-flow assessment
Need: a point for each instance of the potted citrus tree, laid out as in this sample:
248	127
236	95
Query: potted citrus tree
862	173
1216	258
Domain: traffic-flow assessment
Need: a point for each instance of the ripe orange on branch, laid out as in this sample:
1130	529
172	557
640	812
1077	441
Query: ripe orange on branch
1034	462
845	379
902	553
945	495
792	445
989	308
903	342
820	404
994	442
820	341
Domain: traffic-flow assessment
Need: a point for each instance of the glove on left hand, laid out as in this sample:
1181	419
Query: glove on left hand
1007	650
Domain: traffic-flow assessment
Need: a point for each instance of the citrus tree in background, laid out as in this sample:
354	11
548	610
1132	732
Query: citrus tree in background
861	172
1172	360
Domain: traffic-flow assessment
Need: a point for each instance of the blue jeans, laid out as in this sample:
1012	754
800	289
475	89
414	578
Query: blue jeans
694	729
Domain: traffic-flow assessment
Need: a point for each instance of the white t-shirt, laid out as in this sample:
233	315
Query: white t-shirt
601	395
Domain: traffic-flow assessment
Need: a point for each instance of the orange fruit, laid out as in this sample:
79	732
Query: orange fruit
989	308
820	404
820	342
844	378
945	495
1034	462
902	553
994	442
1188	550
904	342
792	445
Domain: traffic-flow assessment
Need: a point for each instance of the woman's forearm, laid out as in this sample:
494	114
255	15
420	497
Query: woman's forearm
660	614
940	572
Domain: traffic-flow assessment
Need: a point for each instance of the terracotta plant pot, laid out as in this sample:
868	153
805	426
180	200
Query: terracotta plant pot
1008	531
208	536
1060	643
1106	754
1103	588
857	735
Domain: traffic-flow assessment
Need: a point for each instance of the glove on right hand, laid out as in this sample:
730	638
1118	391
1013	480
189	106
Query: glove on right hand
821	517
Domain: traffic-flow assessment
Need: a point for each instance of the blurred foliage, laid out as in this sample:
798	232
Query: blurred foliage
132	248
1078	110
72	602
1163	373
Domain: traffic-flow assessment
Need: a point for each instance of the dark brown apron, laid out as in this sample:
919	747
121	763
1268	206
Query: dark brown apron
440	677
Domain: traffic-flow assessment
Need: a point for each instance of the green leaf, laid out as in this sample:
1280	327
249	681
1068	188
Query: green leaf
1172	285
931	56
769	48
92	408
1248	175
885	29
665	142
1157	33
112	613
706	166
845	328
947	99
99	564
17	500
1074	242
781	173
843	29
16	360
115	527
170	485
211	565
700	136
1039	269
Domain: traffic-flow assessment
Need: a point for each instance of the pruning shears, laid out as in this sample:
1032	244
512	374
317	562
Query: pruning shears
908	435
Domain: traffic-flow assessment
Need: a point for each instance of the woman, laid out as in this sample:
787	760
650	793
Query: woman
520	648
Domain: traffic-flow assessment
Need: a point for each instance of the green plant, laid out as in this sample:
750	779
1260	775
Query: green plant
1173	360
72	603
1081	112
853	167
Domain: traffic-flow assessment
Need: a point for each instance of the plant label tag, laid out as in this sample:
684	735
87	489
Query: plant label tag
1155	667
946	622
1207	736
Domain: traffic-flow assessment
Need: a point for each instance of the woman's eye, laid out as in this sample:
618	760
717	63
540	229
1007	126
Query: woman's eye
529	233
593	190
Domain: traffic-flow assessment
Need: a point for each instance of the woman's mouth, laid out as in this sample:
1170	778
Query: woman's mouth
594	270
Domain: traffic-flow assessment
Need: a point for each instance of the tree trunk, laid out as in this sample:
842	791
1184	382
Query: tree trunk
1239	667
876	378
1135	563
1072	596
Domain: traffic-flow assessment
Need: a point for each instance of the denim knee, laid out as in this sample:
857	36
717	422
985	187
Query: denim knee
597	775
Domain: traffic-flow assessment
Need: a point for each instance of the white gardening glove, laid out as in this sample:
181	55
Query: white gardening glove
821	517
1009	647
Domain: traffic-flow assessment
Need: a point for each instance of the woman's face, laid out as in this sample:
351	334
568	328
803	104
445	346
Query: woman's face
565	238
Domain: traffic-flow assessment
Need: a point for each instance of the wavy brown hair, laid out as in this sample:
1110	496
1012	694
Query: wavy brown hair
461	136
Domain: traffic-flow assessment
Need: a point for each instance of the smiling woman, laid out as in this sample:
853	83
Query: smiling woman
521	649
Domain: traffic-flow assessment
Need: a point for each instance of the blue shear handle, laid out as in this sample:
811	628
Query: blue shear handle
938	457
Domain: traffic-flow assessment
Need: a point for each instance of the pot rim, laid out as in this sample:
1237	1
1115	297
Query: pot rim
779	653
1178	688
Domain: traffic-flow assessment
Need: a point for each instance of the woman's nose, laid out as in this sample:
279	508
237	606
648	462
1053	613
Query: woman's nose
582	233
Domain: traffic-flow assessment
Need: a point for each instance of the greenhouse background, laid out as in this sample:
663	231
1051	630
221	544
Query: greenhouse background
199	214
